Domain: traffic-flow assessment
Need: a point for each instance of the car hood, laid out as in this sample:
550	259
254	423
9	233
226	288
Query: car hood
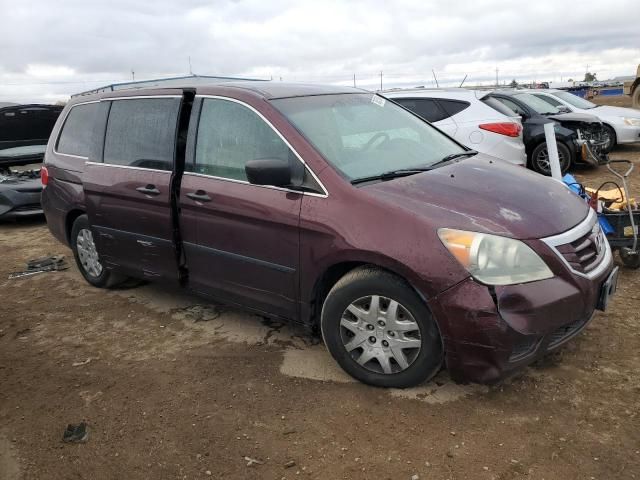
487	195
606	110
575	117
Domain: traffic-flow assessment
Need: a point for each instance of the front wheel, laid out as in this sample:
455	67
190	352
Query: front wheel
540	159
87	258
380	331
609	139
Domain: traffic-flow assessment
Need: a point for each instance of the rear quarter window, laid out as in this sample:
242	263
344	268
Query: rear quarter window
453	107
75	137
427	108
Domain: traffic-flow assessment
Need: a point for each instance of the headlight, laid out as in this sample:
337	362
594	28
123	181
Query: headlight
634	122
494	260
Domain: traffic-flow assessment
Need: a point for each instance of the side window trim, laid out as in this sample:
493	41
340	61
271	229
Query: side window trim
64	122
270	125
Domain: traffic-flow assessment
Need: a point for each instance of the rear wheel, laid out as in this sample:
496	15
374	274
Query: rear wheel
610	139
540	159
380	331
87	257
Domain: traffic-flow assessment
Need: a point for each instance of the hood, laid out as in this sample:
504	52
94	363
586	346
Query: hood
487	195
608	111
575	117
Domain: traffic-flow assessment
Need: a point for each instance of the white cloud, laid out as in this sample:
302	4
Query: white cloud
51	49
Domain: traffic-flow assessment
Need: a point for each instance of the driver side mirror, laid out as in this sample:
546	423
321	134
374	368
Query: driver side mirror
269	171
563	109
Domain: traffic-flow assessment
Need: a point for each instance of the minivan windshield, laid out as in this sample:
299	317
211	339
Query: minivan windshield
537	104
364	135
574	100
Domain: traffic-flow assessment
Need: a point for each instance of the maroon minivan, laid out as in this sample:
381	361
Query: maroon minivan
335	208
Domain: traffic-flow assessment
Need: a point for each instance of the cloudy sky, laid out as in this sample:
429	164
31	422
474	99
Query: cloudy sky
50	49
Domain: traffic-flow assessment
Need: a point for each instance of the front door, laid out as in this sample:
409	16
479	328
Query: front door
241	240
128	192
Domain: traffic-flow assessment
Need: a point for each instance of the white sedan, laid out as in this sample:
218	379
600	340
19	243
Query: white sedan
462	115
621	124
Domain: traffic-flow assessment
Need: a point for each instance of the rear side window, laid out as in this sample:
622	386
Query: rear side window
229	135
512	106
499	107
452	107
75	138
427	108
141	133
549	100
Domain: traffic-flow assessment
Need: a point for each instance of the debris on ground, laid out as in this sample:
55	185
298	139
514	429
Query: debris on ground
250	461
54	263
79	364
76	433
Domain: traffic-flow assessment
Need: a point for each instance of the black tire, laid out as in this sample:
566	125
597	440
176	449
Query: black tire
361	283
635	98
629	260
539	158
610	133
106	278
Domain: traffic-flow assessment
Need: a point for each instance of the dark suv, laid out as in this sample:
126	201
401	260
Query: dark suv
334	208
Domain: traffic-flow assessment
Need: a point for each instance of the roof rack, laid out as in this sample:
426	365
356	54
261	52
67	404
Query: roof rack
166	82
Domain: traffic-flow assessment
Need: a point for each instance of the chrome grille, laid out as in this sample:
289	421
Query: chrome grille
584	248
585	253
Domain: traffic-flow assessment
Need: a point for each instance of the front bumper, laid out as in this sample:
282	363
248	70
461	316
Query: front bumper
489	332
627	133
19	203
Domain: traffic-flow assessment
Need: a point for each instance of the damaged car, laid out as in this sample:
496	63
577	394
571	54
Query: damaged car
19	193
580	138
24	133
334	208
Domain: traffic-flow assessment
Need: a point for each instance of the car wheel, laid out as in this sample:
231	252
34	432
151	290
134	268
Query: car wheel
636	97
540	159
610	139
87	258
630	260
380	331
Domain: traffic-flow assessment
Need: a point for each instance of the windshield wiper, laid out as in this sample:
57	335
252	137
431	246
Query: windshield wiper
453	156
403	172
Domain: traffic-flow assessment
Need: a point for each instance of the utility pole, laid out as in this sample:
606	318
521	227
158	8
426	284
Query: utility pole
190	69
354	80
497	83
380	81
133	75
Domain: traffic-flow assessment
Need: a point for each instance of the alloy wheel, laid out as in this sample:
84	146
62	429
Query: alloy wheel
87	253
542	159
380	334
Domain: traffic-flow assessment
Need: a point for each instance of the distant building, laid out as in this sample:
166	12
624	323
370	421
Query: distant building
186	80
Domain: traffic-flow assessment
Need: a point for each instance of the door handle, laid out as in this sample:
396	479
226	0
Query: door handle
149	190
199	196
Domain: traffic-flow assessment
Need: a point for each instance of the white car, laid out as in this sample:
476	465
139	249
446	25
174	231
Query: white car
622	125
460	113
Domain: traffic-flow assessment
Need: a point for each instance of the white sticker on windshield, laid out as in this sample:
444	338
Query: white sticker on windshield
378	100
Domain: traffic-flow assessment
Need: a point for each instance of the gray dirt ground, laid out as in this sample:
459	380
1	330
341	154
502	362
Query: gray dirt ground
173	387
